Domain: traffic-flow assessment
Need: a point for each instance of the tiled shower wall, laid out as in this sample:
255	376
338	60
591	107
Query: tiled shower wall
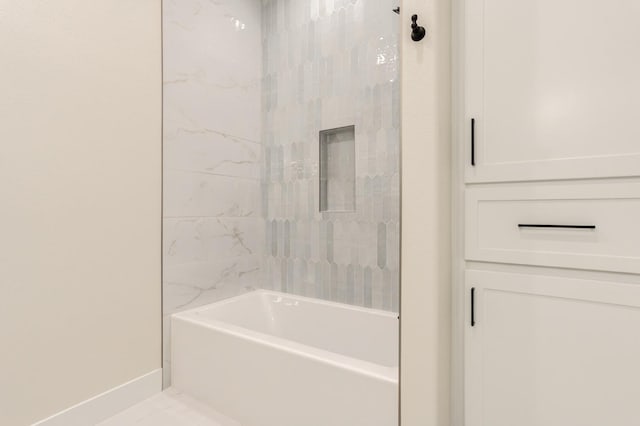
328	64
248	86
213	232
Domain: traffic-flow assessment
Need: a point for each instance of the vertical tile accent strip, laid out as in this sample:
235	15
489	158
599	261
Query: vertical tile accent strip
327	65
368	287
382	245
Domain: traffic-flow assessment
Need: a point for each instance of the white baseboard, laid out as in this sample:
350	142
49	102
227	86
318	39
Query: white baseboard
109	403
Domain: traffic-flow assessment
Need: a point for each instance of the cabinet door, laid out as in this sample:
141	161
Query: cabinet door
551	351
553	88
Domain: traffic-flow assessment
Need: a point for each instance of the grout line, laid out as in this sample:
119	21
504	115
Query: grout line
203	172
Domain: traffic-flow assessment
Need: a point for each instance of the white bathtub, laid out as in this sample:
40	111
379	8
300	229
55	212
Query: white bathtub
272	359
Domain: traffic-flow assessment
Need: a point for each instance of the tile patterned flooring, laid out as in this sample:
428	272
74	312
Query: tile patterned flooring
169	408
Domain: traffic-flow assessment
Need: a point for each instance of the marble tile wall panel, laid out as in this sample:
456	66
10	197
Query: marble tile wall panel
328	64
213	233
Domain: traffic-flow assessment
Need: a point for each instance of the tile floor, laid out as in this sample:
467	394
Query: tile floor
169	408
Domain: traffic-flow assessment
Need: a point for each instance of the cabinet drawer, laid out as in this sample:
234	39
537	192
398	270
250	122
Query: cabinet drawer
602	225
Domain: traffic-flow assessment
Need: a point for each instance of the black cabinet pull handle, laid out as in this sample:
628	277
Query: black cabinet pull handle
533	225
473	306
473	141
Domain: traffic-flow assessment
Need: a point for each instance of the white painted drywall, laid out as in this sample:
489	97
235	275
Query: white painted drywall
426	224
80	189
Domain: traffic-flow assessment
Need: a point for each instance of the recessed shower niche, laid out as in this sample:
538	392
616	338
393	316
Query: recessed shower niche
338	170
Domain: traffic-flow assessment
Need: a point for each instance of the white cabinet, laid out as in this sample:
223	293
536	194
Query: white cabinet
553	88
551	351
551	97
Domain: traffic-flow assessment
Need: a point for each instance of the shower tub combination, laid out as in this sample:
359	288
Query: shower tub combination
272	359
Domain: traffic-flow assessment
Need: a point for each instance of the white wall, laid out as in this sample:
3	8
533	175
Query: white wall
79	200
425	310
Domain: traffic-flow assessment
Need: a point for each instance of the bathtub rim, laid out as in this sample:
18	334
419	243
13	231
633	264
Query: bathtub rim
228	300
384	373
